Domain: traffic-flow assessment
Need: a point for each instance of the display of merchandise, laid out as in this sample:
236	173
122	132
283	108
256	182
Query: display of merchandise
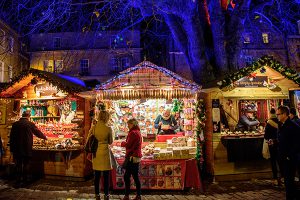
58	120
146	111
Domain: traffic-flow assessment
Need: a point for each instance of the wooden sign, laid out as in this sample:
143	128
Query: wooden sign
45	89
258	81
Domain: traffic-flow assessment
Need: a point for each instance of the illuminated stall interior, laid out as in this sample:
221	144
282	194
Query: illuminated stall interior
264	85
58	112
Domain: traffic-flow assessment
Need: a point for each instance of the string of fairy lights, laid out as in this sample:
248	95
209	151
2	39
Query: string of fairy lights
146	64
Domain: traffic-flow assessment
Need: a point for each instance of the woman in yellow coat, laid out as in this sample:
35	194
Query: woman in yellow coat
102	163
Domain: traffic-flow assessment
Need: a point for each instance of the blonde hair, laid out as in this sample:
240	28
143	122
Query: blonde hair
133	121
103	116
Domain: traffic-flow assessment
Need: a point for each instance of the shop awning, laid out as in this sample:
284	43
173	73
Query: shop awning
66	83
147	80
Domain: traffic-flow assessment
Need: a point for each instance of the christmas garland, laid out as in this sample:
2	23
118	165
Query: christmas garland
201	118
261	62
52	78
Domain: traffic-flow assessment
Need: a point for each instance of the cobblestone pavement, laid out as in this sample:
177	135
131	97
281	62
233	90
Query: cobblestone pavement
70	190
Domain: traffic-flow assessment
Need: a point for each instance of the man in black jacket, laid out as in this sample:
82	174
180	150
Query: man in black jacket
289	149
272	140
21	141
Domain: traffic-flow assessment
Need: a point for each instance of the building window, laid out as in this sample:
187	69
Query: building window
58	66
11	44
125	63
57	42
10	73
120	64
246	37
1	71
84	67
265	37
115	64
2	38
248	60
48	66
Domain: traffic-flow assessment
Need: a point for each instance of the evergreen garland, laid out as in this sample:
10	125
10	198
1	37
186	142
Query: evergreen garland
177	106
261	62
201	118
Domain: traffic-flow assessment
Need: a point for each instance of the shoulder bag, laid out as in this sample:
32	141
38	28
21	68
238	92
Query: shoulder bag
91	144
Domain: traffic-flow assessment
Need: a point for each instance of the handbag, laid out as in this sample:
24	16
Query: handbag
91	144
113	161
265	150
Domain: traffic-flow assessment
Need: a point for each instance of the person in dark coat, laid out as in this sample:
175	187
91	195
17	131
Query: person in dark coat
165	123
289	149
293	116
21	141
272	140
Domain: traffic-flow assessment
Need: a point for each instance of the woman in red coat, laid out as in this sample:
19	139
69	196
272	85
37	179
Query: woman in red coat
133	145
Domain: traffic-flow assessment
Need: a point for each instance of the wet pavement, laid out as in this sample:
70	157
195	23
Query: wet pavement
83	190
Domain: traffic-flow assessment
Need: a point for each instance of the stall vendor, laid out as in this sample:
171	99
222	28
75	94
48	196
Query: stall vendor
165	123
247	122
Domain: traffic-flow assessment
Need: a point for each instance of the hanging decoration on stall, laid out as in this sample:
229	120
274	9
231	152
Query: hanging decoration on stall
201	118
177	105
45	89
260	63
252	81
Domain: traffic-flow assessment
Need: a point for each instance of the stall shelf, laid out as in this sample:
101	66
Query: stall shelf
259	87
58	112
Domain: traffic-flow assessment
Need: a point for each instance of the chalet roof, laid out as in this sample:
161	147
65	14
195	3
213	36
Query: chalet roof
265	61
66	83
147	80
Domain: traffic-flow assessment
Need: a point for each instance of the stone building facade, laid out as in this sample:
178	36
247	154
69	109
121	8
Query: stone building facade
92	55
13	57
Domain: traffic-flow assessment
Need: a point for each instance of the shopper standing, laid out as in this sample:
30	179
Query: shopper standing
293	116
102	164
21	142
133	145
289	149
272	140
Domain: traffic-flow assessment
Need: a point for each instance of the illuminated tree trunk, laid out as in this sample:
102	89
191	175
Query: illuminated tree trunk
217	21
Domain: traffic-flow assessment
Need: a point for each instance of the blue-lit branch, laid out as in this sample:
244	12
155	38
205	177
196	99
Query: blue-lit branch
208	32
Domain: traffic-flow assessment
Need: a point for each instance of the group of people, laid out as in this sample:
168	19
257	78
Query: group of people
282	133
102	161
21	142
